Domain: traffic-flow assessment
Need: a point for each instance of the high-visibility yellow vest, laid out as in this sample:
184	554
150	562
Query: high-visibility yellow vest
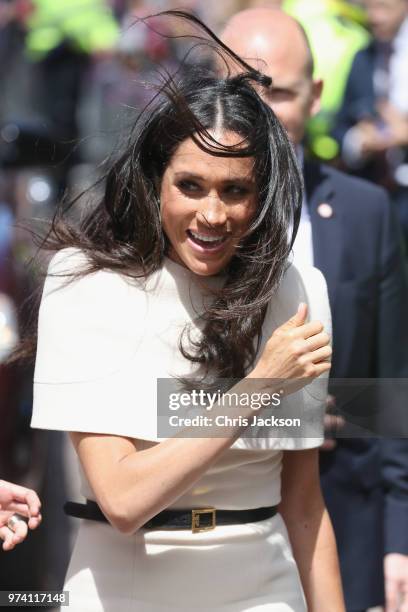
335	33
88	25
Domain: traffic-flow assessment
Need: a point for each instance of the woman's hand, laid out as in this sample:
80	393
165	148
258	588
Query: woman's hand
16	499
296	351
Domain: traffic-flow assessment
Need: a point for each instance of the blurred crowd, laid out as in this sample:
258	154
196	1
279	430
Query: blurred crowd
73	74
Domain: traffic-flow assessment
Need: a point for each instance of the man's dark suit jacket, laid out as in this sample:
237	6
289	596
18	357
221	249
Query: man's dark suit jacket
359	103
365	480
359	98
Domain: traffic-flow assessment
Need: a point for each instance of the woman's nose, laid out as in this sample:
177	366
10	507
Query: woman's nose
213	210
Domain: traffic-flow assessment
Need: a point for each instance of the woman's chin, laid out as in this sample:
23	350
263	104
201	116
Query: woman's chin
200	265
205	268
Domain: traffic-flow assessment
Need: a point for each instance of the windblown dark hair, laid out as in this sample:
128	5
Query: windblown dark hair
123	233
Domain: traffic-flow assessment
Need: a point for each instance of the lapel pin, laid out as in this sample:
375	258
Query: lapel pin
325	210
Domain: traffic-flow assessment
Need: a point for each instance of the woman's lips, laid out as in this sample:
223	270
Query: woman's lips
206	247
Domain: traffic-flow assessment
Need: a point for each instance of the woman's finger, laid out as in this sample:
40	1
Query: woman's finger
6	495
298	318
33	502
321	368
7	536
309	329
4	517
12	493
20	508
34	521
20	531
13	536
317	341
321	354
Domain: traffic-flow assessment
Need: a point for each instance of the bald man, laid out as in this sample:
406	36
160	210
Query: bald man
348	230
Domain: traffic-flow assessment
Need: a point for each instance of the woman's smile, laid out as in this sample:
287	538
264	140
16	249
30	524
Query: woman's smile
206	243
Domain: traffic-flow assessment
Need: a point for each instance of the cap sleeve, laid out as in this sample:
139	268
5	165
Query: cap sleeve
300	284
89	331
308	284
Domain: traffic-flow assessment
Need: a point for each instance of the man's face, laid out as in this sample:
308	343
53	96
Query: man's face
294	96
291	96
385	17
264	3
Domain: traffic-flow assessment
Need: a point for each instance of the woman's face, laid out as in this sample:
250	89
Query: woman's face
207	203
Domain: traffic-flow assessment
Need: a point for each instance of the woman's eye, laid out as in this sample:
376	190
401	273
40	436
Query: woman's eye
236	191
188	186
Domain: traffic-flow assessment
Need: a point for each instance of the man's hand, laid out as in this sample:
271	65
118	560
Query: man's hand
396	582
332	423
16	499
397	124
371	140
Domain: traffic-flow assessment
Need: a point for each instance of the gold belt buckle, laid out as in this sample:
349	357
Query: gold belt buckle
195	519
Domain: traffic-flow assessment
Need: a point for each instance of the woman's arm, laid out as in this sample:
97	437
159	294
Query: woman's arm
310	531
133	485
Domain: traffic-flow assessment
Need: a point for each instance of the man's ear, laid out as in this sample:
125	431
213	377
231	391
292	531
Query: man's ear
317	88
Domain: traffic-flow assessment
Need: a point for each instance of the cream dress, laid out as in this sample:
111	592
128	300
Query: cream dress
102	343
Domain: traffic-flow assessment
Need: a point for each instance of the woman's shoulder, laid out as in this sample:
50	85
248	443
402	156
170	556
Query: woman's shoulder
72	261
300	284
67	259
303	284
103	300
92	323
69	272
303	278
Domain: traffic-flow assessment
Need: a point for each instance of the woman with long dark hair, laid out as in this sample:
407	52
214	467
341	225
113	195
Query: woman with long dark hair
180	273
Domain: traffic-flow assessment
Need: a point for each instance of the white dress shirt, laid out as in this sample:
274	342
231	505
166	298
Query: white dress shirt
398	93
302	251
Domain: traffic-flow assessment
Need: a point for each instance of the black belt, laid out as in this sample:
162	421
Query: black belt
196	519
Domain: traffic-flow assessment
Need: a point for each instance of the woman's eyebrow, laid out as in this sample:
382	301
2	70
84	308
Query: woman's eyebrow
186	173
231	179
240	180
